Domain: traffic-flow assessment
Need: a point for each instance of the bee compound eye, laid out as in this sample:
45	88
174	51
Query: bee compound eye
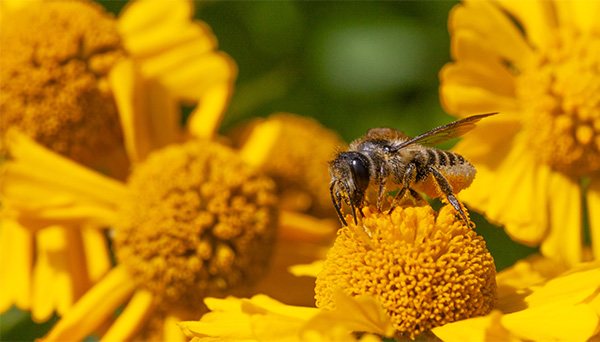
361	173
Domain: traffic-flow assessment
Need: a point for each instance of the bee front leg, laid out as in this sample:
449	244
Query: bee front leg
446	189
381	192
409	177
337	202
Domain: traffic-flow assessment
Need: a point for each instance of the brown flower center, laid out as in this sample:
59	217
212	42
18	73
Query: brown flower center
198	222
55	59
560	90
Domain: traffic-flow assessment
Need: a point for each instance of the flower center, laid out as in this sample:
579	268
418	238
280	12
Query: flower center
426	268
55	59
561	92
198	222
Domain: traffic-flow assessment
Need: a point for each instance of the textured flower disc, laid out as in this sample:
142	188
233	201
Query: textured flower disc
198	222
560	88
297	160
55	59
426	268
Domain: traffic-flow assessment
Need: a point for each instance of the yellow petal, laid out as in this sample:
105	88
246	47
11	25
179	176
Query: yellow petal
536	16
94	307
493	26
172	331
515	190
260	143
218	326
486	328
60	275
465	100
310	270
16	265
574	287
593	203
564	240
192	79
96	253
490	141
206	118
361	313
301	227
151	26
149	114
38	179
132	318
553	322
477	65
582	14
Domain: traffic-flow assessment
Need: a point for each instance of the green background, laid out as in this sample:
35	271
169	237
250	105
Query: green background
350	65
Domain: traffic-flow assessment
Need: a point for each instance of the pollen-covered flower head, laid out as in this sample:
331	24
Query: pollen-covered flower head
198	221
538	64
300	148
426	268
56	56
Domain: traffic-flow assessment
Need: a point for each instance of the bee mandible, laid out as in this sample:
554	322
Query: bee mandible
387	158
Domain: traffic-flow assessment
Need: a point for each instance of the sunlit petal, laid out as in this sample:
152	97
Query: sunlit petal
536	16
565	237
132	318
94	307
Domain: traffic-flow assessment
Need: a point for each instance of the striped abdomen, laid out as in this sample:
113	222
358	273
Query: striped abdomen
454	167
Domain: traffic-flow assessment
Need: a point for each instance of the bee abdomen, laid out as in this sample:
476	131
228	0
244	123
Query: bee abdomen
449	159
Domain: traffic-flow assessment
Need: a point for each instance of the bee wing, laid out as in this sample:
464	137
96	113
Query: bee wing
385	133
445	133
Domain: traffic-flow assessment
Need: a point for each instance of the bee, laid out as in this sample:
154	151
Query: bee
388	159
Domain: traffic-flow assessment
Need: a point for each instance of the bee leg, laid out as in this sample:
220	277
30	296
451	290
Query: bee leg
351	202
409	176
337	203
381	192
447	190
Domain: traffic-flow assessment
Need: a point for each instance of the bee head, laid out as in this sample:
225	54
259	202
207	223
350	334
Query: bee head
350	172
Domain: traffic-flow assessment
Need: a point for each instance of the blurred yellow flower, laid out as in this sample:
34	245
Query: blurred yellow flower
52	249
536	62
194	219
539	299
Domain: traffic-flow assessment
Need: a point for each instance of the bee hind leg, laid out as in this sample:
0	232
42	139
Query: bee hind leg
447	190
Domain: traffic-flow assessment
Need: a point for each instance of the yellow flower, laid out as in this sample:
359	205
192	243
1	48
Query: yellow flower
298	162
539	299
425	268
52	249
193	220
536	62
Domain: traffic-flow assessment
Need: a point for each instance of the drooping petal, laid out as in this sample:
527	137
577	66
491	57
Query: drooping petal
536	16
148	112
206	118
593	203
488	20
309	270
43	184
512	198
16	263
565	237
94	307
361	313
97	253
60	274
132	318
486	328
172	331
